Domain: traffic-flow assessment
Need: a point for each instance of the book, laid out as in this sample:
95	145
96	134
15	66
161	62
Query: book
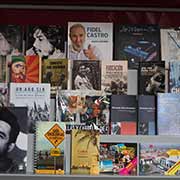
47	41
85	151
4	98
168	117
174	80
86	75
118	159
147	123
55	72
3	69
114	77
123	115
170	44
34	96
151	78
11	42
49	149
137	43
159	159
25	69
90	40
14	158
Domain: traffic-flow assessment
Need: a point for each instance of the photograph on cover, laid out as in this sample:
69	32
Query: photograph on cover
49	153
13	144
118	159
137	43
86	75
90	40
3	94
159	159
11	40
170	44
36	97
45	41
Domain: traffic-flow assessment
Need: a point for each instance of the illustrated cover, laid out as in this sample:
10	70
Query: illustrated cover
3	69
118	159
86	75
151	78
55	72
114	77
159	159
14	136
147	115
25	69
4	99
85	151
34	96
96	110
47	41
90	40
170	44
137	43
168	114
71	108
49	150
123	114
174	80
11	39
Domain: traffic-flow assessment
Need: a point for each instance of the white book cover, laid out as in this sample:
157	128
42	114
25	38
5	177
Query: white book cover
90	40
114	77
170	44
36	97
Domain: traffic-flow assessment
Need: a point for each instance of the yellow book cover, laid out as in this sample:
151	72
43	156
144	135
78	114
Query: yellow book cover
85	151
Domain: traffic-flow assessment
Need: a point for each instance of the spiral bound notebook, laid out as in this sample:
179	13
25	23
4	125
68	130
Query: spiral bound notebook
49	156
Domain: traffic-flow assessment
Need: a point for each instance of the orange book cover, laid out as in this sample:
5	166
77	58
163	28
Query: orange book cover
25	69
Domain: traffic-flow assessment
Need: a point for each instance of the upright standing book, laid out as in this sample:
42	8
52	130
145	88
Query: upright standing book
86	75
3	69
90	40
4	94
123	114
85	151
34	96
49	152
114	77
11	39
47	41
168	113
147	123
151	78
137	43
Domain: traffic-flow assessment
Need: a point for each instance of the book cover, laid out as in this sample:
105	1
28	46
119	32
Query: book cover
96	110
55	72
168	114
170	44
151	78
49	150
137	43
34	96
114	77
159	159
25	69
123	115
85	151
3	69
147	122
118	159
4	98
47	41
14	135
90	40
11	39
86	75
174	78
